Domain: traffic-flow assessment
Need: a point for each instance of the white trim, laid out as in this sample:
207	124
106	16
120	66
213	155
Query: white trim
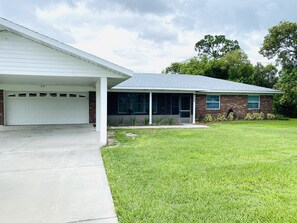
213	109
151	108
190	90
194	109
101	109
14	87
259	102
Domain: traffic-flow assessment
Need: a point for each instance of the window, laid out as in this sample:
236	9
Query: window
213	102
42	94
32	94
53	94
132	103
253	102
62	95
72	95
22	95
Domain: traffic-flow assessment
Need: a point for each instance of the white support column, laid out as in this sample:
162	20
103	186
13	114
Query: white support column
101	109
151	108
194	108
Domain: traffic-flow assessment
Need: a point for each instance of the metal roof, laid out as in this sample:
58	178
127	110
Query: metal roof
183	82
54	44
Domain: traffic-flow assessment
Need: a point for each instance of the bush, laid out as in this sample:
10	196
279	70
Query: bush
270	116
221	118
146	121
208	118
259	116
158	121
121	122
132	121
170	121
230	116
281	117
249	116
255	116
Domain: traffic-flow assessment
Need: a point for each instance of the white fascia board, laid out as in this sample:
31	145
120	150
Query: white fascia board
194	90
52	43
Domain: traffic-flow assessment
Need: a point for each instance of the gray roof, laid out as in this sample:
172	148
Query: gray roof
182	82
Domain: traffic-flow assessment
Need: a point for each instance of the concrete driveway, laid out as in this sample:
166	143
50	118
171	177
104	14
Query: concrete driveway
53	174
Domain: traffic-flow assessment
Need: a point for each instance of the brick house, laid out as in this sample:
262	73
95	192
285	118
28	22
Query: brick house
43	81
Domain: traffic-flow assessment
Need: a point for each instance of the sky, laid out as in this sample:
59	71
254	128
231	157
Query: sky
147	36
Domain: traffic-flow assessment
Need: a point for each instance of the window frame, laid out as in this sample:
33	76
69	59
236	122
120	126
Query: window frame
219	102
131	104
259	102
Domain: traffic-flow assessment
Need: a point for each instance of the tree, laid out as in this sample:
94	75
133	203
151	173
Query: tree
265	76
287	103
281	42
215	47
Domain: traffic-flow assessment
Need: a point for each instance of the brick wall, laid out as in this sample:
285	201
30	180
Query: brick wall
92	107
238	103
1	108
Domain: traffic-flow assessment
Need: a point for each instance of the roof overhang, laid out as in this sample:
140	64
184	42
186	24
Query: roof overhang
59	46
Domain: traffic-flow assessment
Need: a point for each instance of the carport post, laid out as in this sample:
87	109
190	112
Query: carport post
151	108
101	109
194	108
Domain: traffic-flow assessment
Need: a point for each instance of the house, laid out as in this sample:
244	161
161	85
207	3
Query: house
43	81
183	98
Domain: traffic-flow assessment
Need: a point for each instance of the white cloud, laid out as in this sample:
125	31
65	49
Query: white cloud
148	36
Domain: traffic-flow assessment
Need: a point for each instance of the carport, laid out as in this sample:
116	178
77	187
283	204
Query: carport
43	81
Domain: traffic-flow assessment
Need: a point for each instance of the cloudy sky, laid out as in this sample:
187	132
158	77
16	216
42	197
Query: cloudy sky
146	36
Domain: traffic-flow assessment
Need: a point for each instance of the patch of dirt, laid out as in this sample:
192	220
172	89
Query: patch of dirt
111	140
131	135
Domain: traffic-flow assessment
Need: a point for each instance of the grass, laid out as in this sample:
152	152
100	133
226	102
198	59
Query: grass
231	172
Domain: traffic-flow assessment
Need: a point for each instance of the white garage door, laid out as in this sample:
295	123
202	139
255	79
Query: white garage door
33	108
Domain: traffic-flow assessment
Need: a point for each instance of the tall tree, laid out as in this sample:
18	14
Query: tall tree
215	47
265	76
281	42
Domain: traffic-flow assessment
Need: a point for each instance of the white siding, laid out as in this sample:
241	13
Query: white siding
21	56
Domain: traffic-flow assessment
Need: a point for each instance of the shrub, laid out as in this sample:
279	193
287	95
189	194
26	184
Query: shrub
146	121
158	121
281	117
121	122
208	118
249	116
133	120
270	116
255	116
221	118
259	116
231	116
170	121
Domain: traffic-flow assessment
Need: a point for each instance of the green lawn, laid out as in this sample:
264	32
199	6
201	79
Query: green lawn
231	172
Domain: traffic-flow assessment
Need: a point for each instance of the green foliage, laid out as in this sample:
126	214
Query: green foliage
281	117
233	66
287	103
170	121
146	121
159	120
215	47
265	76
281	42
255	116
270	116
121	122
221	118
208	118
230	116
133	120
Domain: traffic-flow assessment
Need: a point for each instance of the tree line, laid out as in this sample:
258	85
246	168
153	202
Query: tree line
222	58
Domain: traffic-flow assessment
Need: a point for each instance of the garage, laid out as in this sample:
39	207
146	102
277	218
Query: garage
35	108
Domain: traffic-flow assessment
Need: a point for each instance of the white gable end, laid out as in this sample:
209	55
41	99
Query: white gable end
21	56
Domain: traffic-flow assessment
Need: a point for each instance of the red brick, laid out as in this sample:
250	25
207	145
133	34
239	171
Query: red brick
1	108
92	107
238	103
